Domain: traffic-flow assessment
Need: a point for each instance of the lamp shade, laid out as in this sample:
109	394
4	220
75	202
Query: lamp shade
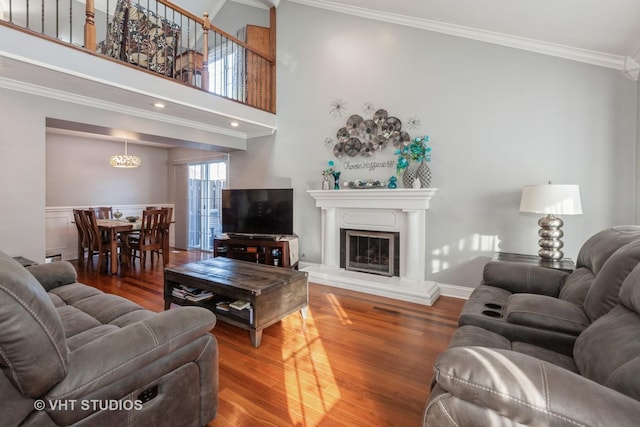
551	199
125	160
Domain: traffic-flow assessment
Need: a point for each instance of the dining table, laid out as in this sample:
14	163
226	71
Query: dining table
112	227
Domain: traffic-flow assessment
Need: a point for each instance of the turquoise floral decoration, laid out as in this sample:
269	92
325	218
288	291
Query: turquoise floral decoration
330	170
417	150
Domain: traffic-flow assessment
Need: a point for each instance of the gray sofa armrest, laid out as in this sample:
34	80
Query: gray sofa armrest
524	389
545	312
124	352
54	274
523	278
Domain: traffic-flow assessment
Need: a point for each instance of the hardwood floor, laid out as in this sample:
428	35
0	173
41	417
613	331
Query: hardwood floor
357	360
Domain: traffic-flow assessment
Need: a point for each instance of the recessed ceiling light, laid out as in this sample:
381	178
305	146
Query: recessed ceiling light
234	124
158	104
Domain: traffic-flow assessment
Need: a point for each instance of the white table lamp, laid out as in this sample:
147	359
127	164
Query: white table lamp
551	200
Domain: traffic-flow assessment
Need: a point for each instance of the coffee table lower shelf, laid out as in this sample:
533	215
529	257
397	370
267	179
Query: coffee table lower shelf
273	292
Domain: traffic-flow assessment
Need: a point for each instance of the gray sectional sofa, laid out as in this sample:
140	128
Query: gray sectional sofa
547	307
72	355
504	373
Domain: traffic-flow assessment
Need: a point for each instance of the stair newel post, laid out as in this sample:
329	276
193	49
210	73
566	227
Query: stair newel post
90	27
206	25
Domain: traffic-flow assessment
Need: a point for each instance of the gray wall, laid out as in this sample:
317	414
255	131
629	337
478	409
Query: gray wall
498	118
22	193
23	151
78	173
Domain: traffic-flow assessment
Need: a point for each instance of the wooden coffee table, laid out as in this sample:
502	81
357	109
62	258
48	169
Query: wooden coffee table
273	292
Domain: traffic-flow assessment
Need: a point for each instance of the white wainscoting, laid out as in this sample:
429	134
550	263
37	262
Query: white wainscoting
62	235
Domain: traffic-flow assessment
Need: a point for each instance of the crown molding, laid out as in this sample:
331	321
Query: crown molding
631	68
51	93
552	49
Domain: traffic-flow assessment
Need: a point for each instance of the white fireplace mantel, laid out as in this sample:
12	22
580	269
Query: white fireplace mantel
397	198
395	210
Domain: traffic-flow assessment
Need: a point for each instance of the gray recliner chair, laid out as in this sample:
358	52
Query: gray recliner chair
485	379
72	355
549	307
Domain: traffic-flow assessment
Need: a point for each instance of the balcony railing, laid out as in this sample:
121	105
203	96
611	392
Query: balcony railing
161	38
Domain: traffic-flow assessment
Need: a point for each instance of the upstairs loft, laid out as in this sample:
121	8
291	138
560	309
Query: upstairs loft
45	50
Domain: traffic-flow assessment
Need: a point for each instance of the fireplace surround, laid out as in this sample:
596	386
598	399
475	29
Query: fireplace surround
401	211
368	251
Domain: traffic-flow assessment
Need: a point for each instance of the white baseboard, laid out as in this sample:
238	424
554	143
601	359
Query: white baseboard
420	292
455	291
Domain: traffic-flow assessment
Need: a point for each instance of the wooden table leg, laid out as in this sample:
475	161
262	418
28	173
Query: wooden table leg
256	338
165	248
114	251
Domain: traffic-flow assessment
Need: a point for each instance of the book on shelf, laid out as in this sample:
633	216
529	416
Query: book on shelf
187	288
191	294
240	304
227	308
222	305
200	297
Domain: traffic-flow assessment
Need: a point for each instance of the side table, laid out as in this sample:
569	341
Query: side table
565	264
26	262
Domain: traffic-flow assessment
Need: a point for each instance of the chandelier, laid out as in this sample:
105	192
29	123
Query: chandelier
125	160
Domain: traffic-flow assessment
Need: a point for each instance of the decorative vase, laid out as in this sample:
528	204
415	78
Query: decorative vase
336	180
325	183
424	173
420	170
409	175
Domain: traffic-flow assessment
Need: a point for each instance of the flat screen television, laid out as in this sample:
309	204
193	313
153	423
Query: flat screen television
257	211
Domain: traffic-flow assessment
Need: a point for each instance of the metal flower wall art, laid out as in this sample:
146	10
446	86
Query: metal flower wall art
364	137
338	108
368	108
413	123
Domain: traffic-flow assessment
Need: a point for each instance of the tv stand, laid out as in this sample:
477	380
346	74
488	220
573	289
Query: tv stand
270	249
240	236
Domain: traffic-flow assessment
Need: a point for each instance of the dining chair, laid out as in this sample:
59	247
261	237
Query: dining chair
84	241
149	238
103	212
98	242
165	233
